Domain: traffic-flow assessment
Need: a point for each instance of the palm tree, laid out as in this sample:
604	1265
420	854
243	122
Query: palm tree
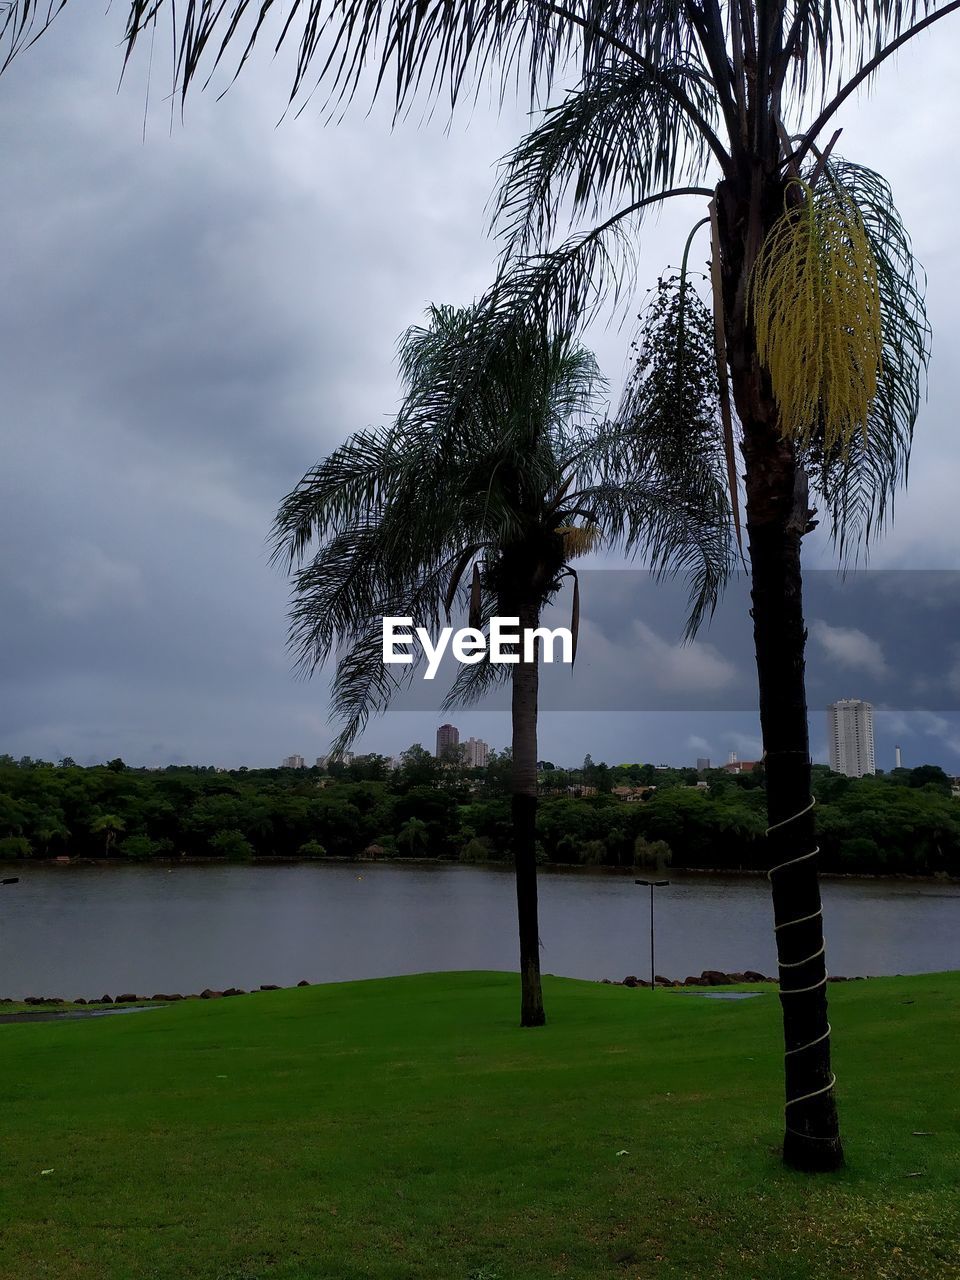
484	488
820	331
109	825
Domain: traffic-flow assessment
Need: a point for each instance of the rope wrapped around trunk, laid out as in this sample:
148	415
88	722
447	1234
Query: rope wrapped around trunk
796	964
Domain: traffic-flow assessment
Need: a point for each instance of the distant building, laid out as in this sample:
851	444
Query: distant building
293	762
476	753
631	794
732	758
850	737
740	766
898	758
343	758
448	742
703	762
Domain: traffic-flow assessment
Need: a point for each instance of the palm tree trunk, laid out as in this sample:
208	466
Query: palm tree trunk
524	814
777	516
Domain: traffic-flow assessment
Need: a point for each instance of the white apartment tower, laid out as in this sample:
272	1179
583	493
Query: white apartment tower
850	736
476	753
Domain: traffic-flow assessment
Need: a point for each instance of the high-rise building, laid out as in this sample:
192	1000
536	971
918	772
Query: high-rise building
448	740
476	753
343	758
850	737
293	762
703	762
898	758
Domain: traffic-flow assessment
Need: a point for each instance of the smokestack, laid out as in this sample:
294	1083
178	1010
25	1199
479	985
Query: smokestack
899	764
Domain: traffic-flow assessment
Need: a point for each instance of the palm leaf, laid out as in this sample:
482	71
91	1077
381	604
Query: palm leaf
21	23
621	135
860	488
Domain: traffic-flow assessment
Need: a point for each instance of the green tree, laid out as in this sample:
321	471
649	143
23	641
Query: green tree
48	828
109	825
312	849
654	855
930	775
232	845
413	838
489	482
138	847
418	767
15	847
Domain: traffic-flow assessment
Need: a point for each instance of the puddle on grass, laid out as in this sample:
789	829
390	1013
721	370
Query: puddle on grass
52	1016
721	995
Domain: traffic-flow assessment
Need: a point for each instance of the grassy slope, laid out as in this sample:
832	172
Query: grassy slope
408	1128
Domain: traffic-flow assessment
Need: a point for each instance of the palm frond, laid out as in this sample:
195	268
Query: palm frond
619	137
22	22
565	288
475	680
411	46
355	478
860	488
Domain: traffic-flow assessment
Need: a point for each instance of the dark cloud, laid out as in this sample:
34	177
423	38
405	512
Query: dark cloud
193	314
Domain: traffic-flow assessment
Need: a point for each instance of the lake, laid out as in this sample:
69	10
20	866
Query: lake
85	930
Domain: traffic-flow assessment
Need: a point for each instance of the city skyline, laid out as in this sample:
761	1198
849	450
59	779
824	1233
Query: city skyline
479	755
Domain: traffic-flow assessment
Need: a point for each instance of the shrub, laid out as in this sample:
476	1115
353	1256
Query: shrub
15	847
138	847
475	850
594	853
311	849
232	845
654	855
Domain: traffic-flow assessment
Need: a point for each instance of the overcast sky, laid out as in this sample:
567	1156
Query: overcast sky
192	316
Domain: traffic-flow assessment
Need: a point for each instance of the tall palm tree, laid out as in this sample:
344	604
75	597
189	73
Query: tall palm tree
484	488
820	331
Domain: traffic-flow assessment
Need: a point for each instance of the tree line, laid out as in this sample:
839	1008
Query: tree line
901	823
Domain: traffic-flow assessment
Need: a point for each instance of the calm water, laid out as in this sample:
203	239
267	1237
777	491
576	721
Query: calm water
81	931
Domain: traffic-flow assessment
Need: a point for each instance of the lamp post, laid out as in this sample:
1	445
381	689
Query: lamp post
653	884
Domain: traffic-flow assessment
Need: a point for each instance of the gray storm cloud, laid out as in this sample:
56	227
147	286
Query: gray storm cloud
193	313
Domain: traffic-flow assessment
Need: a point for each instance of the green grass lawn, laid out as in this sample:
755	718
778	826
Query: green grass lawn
408	1128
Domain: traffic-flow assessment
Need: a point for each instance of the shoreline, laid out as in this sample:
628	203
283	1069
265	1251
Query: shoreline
47	1007
576	868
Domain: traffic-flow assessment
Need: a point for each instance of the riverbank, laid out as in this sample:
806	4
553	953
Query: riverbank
492	864
408	1130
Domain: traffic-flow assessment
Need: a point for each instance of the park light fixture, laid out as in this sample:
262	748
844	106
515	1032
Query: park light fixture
653	884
